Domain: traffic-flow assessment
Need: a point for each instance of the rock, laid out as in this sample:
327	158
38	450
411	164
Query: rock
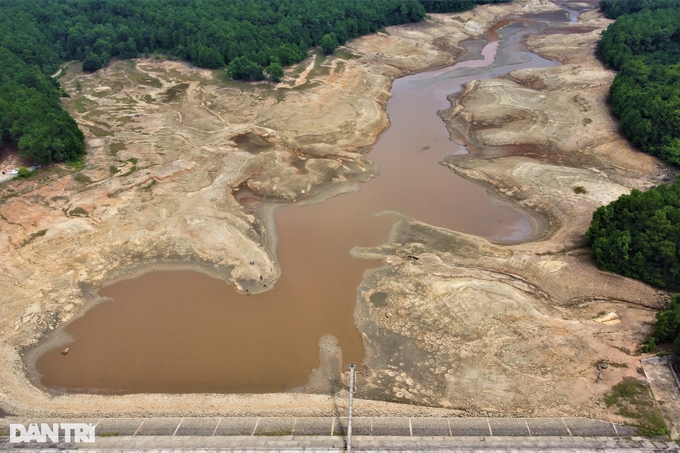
65	351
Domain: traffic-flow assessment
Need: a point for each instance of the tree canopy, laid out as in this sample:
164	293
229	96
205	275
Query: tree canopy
645	95
31	113
638	236
667	326
615	8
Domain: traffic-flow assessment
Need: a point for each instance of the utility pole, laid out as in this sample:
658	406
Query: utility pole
351	408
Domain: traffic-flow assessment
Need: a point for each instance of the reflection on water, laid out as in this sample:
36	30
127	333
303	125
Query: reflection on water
185	332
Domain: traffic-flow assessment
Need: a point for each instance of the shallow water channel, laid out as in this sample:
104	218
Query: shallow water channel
182	331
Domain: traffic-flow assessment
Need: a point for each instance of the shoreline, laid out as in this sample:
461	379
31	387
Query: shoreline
61	405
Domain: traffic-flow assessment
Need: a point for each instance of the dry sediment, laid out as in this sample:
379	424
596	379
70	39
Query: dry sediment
454	321
517	328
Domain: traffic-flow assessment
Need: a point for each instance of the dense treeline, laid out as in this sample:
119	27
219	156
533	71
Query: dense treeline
209	33
638	236
454	6
31	113
615	8
645	95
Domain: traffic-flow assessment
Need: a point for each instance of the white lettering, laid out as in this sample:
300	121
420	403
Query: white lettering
68	427
33	433
82	432
53	433
15	428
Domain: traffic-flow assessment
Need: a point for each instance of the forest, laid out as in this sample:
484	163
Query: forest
645	48
615	8
31	114
252	38
638	235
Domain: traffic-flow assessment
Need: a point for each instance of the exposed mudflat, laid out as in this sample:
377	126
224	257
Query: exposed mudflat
452	320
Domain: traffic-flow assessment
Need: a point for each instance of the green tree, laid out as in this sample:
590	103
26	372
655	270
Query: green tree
275	72
329	43
242	68
91	63
24	172
209	57
127	49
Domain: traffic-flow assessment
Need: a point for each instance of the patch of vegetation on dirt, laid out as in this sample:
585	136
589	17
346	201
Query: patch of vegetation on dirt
82	178
78	212
175	92
33	236
114	148
99	132
633	399
140	78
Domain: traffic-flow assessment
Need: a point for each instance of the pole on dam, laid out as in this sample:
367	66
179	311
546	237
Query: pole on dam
351	407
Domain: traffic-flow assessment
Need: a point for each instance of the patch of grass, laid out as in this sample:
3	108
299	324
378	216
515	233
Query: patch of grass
99	132
633	399
278	432
113	169
148	98
33	236
149	186
345	54
114	148
59	198
617	365
144	79
580	190
132	160
75	165
130	171
81	178
38	234
175	92
79	105
108	434
78	212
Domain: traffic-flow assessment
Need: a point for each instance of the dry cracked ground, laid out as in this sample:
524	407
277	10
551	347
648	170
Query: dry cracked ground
469	326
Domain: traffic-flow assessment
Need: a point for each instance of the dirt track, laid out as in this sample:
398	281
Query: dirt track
483	328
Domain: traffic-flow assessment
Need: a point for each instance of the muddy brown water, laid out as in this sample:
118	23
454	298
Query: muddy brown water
182	331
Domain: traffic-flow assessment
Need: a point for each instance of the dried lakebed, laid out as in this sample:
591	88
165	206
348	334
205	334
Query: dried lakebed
453	320
191	334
